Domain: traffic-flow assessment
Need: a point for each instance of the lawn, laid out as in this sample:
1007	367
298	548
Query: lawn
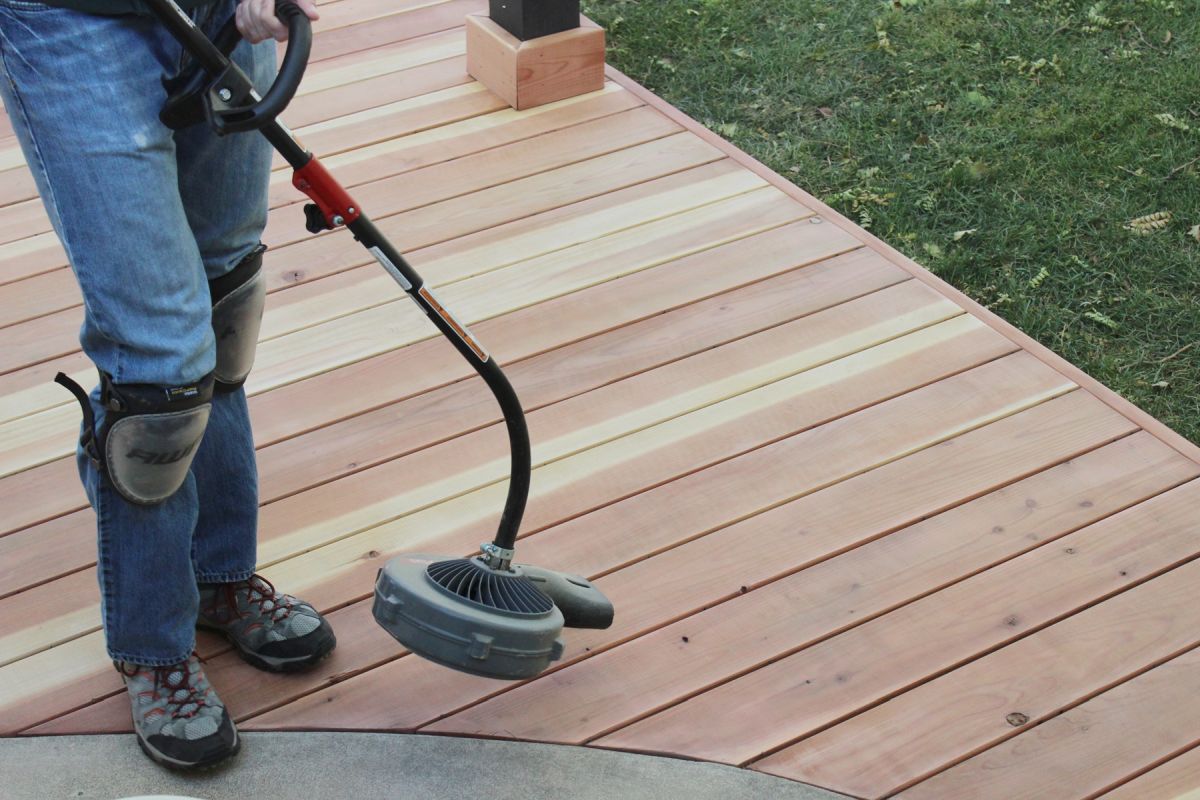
1041	155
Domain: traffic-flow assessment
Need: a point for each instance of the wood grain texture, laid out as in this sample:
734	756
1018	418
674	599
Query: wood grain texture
530	73
1089	748
587	698
1176	779
801	694
923	731
926	523
1028	343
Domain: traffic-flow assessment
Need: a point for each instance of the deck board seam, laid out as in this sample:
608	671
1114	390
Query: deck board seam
929	677
1183	751
1033	723
464	432
940	672
783	575
295	205
808	565
326	423
463	491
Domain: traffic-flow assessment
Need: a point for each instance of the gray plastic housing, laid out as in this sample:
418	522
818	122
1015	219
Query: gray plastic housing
458	633
581	603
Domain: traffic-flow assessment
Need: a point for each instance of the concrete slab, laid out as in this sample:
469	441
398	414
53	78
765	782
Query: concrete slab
364	766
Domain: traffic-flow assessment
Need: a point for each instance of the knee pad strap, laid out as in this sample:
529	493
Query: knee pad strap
149	436
238	300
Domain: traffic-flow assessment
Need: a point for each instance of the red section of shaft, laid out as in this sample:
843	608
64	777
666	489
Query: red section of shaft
334	201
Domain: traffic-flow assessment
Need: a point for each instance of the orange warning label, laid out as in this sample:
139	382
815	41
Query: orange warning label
458	328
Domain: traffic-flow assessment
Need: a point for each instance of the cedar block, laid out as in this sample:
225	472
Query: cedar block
538	71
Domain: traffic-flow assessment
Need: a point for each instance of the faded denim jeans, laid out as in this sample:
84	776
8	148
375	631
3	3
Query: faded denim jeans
147	216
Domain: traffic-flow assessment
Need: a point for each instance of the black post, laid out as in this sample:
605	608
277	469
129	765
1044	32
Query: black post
529	19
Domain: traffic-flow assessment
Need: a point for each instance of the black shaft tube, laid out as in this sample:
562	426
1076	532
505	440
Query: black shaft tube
215	63
510	406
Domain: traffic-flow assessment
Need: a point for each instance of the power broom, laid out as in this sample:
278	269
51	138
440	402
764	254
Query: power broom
483	615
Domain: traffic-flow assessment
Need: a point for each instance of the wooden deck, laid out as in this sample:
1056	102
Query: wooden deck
860	532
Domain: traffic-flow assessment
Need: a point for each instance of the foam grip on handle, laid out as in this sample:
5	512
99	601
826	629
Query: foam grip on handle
581	603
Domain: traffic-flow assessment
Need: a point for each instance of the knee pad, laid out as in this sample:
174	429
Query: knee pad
238	299
149	436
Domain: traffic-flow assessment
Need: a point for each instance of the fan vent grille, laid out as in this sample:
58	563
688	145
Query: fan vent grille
471	580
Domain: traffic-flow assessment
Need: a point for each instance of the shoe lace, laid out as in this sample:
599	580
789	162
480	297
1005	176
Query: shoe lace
260	592
178	685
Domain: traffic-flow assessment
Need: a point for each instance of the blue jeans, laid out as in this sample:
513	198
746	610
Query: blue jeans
147	216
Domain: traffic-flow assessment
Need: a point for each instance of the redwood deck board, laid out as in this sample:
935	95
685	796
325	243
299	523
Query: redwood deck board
860	532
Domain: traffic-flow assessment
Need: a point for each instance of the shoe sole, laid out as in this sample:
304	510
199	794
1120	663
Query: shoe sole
276	664
189	766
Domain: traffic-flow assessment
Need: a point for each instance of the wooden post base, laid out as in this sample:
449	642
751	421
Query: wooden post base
538	71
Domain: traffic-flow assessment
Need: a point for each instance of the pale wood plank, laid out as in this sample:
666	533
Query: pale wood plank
499	165
1120	404
18	186
391	58
600	692
57	290
379	435
47	551
1089	748
544	326
825	458
412	82
341	72
66	608
39	295
802	693
394	120
23	219
32	497
466	405
921	732
348	14
452	141
39	437
386	27
577	485
1177	778
32	389
609	182
316	401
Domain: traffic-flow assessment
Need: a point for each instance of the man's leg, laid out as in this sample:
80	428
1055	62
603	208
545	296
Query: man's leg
224	183
83	93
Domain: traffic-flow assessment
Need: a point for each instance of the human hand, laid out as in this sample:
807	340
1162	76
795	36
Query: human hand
256	19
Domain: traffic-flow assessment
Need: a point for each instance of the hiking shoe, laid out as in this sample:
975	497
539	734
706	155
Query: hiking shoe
178	718
271	630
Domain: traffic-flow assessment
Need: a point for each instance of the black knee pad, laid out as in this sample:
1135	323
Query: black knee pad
149	436
238	299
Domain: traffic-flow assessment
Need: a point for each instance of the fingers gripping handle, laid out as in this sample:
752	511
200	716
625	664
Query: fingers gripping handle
219	91
295	60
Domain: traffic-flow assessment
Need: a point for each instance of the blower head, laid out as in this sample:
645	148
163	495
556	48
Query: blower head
466	614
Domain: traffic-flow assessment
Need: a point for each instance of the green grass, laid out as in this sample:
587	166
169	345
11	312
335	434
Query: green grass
1004	144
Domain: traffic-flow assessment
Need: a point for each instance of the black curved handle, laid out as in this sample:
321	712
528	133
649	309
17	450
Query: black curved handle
215	90
237	119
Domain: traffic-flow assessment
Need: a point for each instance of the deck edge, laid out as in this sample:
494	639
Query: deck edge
1152	425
